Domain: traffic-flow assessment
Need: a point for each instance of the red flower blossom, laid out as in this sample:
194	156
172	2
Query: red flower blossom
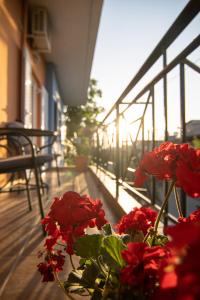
68	218
53	263
46	271
169	161
188	174
57	261
160	162
139	219
73	209
143	263
180	275
194	217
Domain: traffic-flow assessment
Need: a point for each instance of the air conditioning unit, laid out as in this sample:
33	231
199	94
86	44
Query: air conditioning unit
40	30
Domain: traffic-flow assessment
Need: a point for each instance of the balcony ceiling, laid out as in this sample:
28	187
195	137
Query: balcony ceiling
74	27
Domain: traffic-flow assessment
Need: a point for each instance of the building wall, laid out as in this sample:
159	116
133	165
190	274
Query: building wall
10	56
54	108
53	92
13	22
38	66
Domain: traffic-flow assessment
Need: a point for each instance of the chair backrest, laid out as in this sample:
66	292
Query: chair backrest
17	145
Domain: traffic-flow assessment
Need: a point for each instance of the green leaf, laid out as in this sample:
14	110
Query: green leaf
111	251
90	274
159	240
126	238
80	281
96	295
74	283
107	229
76	290
75	277
88	246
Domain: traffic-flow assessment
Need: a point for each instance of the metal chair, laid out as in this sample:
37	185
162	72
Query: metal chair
21	161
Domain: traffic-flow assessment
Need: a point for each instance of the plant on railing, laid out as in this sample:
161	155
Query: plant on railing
137	261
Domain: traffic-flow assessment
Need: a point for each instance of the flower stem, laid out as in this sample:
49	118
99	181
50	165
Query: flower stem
71	261
62	287
104	296
100	267
149	232
178	204
163	206
107	279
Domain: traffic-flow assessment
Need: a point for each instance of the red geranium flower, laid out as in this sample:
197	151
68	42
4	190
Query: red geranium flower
143	263
53	263
180	275
194	217
73	209
139	219
169	161
161	163
188	173
57	261
69	216
46	271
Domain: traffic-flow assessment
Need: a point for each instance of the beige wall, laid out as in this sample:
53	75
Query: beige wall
10	52
11	40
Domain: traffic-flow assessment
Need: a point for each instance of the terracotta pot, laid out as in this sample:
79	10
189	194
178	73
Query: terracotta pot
81	163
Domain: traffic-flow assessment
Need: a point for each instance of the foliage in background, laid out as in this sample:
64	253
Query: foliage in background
82	120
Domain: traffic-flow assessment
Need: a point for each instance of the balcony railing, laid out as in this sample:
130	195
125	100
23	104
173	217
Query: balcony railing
148	111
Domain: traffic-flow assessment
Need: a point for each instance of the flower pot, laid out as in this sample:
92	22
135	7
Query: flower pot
81	163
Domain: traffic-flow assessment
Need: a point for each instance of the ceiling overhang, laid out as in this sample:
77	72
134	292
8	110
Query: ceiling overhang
74	27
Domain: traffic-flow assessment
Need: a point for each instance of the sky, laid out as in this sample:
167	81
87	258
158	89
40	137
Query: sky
129	31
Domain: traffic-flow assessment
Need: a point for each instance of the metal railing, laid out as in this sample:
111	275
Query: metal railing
133	126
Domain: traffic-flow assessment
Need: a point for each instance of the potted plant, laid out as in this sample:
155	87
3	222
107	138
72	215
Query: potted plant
81	122
82	153
138	260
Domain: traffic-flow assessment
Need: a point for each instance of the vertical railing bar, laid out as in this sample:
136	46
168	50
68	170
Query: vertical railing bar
142	136
148	99
127	155
165	96
153	117
98	152
153	196
110	142
166	127
113	152
182	100
102	143
117	157
183	126
121	158
133	142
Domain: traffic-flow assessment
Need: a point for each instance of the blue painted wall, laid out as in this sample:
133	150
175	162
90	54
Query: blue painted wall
52	89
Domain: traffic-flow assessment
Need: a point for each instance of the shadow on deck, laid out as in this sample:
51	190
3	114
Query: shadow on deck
21	236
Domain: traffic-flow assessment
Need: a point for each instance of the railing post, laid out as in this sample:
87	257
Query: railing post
117	157
182	100
165	96
166	127
183	127
153	196
142	136
97	150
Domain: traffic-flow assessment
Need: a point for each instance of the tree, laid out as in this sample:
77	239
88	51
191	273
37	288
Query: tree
82	120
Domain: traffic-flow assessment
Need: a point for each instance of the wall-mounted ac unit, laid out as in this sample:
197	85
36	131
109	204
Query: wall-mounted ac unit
40	30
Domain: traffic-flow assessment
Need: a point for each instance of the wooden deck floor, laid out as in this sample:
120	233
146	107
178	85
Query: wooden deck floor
21	237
